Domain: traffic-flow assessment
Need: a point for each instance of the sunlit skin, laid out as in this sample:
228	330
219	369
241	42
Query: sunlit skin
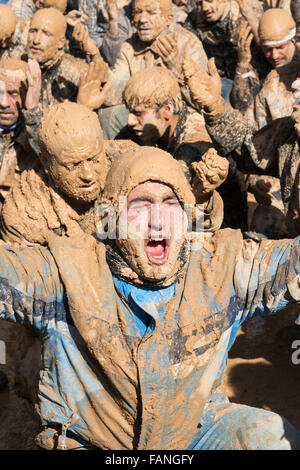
154	219
148	20
45	38
211	10
151	126
279	55
75	173
12	95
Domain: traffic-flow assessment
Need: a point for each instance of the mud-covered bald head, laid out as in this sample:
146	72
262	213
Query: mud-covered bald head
8	22
72	150
46	37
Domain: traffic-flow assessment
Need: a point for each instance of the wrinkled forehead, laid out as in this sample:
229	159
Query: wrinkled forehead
11	81
81	151
144	5
153	190
46	21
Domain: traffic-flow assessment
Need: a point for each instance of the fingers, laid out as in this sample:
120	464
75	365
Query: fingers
190	68
211	67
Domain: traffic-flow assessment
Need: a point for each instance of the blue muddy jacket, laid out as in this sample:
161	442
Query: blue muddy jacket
124	367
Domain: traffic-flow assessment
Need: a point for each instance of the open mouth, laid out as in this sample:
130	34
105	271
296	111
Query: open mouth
157	250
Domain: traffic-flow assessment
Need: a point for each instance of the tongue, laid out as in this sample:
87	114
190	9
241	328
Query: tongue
155	248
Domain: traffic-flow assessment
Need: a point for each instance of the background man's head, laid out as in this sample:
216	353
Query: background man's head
151	17
154	101
8	22
13	86
46	36
276	31
156	191
211	10
72	151
61	5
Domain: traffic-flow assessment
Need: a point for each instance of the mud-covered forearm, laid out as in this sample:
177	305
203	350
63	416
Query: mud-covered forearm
246	86
32	121
230	130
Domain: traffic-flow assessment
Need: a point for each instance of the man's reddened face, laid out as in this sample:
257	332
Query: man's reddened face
210	10
148	125
76	173
153	230
148	19
12	93
279	55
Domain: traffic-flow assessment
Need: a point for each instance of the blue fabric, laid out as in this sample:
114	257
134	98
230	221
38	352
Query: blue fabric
32	291
140	298
226	88
228	426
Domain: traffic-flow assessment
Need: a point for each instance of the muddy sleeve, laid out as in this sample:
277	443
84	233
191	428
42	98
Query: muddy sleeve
254	150
119	75
245	88
30	288
111	45
267	275
32	121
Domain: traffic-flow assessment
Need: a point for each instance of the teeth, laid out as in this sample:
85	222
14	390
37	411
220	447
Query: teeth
156	239
159	257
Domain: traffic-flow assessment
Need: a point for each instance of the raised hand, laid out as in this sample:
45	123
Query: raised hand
245	37
34	79
166	47
75	17
211	172
205	87
86	44
90	92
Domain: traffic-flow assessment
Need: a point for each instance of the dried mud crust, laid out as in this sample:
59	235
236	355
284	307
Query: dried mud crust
260	373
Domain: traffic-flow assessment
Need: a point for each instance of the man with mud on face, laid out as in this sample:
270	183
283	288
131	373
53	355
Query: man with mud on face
158	116
136	333
58	196
61	73
60	193
13	33
16	154
158	41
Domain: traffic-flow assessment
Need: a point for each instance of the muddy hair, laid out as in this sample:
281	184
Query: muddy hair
151	89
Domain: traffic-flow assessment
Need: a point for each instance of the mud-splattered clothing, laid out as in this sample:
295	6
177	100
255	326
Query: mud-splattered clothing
273	150
102	383
16	155
17	46
22	8
136	55
219	38
61	81
275	99
189	141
